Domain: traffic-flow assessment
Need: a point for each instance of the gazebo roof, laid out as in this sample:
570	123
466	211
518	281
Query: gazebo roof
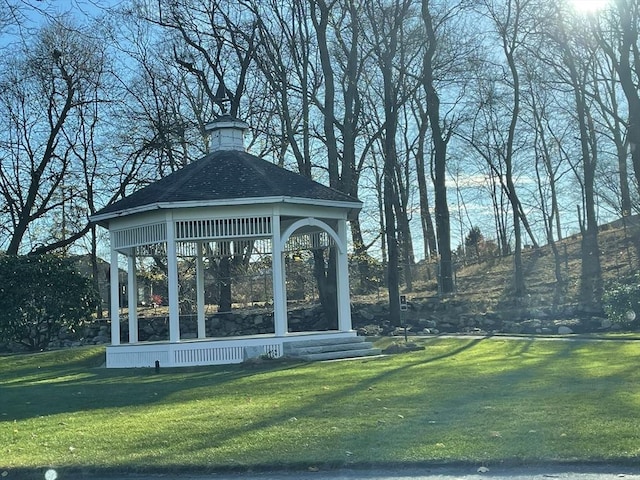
227	177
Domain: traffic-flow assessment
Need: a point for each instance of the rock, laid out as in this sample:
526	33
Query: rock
428	323
512	327
370	330
487	322
378	309
539	313
533	323
564	330
366	314
400	331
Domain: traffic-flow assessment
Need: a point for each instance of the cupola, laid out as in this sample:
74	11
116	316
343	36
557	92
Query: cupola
226	133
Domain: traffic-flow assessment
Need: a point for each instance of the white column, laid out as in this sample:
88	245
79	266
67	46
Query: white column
172	282
200	291
115	295
278	280
344	300
132	296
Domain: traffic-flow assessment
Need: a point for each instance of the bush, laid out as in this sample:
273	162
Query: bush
39	296
621	300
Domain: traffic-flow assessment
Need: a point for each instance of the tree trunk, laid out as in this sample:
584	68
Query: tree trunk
224	284
509	46
428	233
628	69
392	245
443	226
364	283
591	272
324	271
95	272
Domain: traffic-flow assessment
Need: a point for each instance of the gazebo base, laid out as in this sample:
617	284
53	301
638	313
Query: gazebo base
208	351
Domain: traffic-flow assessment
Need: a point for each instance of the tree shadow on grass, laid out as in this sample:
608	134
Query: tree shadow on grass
354	413
76	386
537	435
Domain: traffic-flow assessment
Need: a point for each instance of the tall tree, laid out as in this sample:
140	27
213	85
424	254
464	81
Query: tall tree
387	20
623	48
508	17
549	169
430	248
194	58
45	91
574	64
436	26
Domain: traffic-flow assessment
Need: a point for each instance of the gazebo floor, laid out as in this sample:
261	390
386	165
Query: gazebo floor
208	351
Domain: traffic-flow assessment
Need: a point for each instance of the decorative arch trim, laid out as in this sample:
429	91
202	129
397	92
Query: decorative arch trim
305	222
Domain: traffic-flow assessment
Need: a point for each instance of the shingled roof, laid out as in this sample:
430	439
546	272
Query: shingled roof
231	176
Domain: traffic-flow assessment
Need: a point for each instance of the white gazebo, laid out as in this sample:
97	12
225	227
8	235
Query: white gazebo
226	196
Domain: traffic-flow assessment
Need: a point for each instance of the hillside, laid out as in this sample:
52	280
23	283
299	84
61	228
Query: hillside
483	301
490	279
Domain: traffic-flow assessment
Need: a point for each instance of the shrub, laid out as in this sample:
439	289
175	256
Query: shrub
39	296
621	300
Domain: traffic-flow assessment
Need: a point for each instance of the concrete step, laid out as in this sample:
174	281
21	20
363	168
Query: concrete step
333	347
340	355
330	349
324	341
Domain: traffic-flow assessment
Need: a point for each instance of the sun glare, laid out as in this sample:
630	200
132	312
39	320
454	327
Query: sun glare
589	6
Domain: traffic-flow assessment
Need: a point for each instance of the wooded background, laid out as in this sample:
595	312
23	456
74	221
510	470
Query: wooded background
493	124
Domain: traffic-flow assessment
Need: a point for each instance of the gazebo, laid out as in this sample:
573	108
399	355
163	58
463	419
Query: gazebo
226	196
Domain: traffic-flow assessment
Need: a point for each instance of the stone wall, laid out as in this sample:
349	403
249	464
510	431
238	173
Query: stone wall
425	317
156	328
435	316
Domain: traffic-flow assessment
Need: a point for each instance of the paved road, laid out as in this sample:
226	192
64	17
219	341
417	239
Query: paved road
585	472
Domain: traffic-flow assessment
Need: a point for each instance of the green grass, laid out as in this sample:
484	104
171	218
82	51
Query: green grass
459	400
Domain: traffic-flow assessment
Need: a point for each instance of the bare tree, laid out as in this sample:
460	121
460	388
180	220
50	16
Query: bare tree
548	165
44	96
202	54
623	48
388	22
442	58
285	56
426	220
572	58
508	18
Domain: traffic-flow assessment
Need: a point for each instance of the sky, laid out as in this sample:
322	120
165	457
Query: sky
37	11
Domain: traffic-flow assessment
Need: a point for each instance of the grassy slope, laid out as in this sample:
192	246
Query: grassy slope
471	400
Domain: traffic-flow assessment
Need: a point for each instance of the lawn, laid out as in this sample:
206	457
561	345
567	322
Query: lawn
483	401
